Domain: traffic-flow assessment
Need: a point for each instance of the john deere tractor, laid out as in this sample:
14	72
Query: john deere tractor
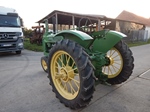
74	60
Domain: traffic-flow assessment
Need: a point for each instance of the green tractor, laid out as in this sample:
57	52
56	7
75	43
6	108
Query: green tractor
75	60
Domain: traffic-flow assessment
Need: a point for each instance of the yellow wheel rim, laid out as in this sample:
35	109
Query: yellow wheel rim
65	75
44	64
116	63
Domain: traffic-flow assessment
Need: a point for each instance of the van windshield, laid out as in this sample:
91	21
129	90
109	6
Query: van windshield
9	21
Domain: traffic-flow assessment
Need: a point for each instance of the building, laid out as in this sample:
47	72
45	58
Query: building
135	27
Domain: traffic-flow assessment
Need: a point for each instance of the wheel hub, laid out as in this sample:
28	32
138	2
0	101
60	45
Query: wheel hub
110	61
64	74
67	73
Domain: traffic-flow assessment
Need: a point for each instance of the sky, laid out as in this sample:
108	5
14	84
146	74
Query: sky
33	10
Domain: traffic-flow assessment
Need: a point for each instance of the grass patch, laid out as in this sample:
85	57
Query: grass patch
32	47
38	48
138	43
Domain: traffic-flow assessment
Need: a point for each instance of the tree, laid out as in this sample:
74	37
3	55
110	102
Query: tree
27	32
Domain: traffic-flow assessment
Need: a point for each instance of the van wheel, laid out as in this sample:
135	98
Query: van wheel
18	52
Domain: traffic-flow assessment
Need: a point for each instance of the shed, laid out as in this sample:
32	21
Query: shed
74	19
134	26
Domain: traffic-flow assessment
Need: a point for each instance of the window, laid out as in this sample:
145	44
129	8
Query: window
9	21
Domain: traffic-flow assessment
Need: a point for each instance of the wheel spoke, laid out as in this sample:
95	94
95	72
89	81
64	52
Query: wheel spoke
65	87
74	80
60	82
72	70
72	64
63	59
61	62
117	63
113	68
71	87
68	60
58	76
115	56
112	53
66	57
110	70
57	63
76	84
57	67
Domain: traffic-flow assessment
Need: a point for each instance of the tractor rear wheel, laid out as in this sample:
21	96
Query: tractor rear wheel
44	63
120	65
71	74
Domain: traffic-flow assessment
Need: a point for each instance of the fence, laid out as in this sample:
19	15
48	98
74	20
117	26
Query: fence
136	36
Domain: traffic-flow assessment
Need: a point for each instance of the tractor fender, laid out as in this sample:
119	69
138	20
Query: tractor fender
78	36
107	41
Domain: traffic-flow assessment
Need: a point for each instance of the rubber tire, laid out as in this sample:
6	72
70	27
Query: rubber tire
85	68
18	52
128	65
45	58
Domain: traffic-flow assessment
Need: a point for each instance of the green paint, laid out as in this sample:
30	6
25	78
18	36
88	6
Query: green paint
80	37
105	40
99	60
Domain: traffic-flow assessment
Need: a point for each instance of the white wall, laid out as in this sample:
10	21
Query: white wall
148	28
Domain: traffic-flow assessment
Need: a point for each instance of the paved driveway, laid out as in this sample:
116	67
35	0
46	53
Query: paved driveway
24	87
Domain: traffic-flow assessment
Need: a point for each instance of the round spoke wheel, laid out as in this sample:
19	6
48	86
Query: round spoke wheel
71	74
44	63
65	75
115	63
120	65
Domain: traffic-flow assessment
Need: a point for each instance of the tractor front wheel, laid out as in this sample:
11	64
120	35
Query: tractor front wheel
71	74
44	63
120	65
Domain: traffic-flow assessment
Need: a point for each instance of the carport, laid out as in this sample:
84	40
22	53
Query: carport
74	19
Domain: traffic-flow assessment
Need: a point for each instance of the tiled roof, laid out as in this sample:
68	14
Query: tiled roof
128	16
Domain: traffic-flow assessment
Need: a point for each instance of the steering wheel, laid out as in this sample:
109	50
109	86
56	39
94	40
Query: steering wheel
87	20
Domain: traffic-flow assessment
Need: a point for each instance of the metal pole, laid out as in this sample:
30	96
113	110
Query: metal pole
56	23
99	24
73	21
